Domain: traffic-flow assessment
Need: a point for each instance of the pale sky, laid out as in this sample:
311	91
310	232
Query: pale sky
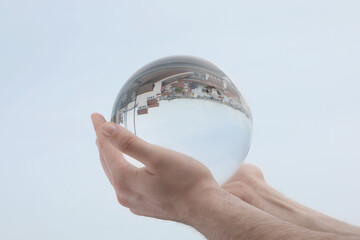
295	62
215	134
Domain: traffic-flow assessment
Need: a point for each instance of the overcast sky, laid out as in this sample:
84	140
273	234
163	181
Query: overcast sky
295	62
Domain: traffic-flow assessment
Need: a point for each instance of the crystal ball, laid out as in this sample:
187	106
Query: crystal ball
189	105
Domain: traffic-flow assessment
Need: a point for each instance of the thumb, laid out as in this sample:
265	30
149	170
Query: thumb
128	143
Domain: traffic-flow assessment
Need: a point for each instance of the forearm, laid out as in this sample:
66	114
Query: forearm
273	202
223	216
174	186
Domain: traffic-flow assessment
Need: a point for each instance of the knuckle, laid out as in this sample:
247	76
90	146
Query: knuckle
135	211
127	142
122	200
155	158
253	171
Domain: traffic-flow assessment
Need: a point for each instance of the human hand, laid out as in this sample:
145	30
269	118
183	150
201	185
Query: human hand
176	187
167	187
247	184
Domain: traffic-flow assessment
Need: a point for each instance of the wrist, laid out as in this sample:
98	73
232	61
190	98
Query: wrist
191	204
273	202
212	212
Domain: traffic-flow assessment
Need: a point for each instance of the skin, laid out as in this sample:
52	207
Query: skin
173	186
249	184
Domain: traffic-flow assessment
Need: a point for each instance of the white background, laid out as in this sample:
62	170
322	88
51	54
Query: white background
296	63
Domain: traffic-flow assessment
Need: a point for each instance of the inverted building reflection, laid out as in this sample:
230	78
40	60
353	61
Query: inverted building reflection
194	85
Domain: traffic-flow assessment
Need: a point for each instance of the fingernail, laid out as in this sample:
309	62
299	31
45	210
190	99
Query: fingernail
108	129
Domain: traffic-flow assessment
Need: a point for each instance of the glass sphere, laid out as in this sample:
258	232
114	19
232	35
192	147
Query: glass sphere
189	105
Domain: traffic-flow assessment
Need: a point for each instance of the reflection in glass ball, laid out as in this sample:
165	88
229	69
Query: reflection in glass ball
189	105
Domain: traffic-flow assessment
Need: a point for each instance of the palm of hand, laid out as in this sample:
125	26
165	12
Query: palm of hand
168	185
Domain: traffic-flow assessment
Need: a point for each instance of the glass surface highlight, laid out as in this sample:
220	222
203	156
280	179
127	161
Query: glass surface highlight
189	105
